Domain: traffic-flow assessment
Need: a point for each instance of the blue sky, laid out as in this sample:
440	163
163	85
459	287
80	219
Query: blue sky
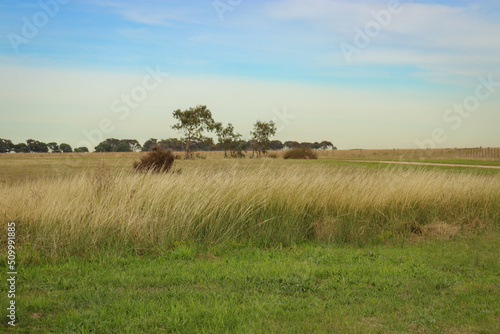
246	60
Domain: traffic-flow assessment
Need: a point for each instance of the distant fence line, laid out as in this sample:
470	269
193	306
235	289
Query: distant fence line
479	152
472	153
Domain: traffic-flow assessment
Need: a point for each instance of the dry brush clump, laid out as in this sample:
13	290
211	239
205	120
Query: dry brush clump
300	153
157	160
270	205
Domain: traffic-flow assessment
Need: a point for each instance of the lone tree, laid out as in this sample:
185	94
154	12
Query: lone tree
261	133
193	122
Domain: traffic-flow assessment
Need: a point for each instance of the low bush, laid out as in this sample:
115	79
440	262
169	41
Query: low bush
272	155
300	153
156	161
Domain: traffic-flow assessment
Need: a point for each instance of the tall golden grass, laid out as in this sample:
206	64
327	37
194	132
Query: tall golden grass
272	204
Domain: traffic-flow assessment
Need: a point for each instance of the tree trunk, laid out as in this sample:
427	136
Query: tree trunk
187	148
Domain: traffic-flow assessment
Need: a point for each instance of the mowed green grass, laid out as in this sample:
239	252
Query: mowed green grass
451	169
428	285
425	287
462	161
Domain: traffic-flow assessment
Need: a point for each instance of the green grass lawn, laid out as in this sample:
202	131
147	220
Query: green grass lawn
457	161
462	161
377	165
424	287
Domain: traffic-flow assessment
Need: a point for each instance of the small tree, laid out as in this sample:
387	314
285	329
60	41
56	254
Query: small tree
291	144
6	145
21	148
206	144
230	141
326	145
53	147
104	147
123	147
66	148
32	144
133	143
193	122
82	149
173	144
113	142
261	134
37	146
149	144
109	145
276	145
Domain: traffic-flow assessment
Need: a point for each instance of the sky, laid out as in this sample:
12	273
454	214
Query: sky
361	74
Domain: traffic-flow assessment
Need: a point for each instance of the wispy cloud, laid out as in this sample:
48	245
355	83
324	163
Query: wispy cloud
161	13
432	37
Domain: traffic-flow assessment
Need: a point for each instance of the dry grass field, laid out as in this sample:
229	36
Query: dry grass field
88	201
29	166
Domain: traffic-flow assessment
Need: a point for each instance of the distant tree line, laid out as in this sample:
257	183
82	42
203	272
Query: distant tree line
193	123
175	144
35	146
208	145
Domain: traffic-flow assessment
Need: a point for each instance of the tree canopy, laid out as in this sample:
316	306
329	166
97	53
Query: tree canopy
53	147
260	135
231	141
6	145
193	123
66	148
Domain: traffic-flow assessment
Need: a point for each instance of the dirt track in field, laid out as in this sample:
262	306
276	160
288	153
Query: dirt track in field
425	164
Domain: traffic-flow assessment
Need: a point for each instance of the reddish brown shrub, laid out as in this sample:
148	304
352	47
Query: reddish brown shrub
300	153
156	161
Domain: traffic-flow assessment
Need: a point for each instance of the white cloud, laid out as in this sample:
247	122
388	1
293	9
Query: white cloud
437	38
